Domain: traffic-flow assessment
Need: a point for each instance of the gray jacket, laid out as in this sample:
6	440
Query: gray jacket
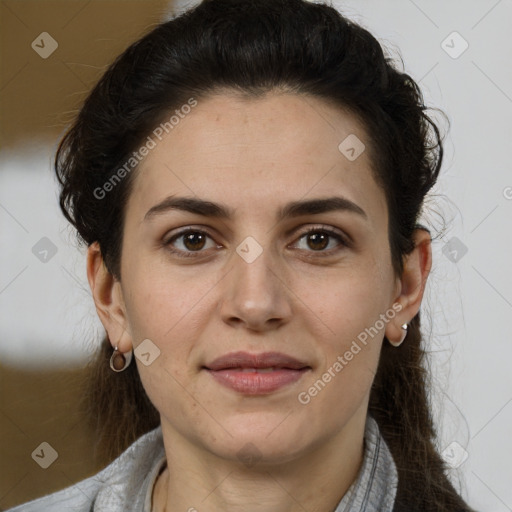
126	485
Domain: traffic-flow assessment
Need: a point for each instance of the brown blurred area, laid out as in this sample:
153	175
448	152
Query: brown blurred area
39	407
38	99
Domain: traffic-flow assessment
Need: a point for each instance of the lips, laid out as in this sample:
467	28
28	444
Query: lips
256	374
264	360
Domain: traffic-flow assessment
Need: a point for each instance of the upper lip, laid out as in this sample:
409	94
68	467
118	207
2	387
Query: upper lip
262	360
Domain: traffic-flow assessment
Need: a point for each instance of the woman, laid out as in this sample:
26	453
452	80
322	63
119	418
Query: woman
248	178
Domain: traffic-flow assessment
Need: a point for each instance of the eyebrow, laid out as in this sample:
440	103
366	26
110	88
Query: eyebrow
290	210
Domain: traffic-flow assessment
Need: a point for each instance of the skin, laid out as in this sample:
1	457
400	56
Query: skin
254	156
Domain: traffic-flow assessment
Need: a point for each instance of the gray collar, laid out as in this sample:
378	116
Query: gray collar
375	487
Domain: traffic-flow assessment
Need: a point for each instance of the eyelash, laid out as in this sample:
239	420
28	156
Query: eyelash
317	229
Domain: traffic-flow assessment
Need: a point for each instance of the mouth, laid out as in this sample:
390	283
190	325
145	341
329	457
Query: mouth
256	374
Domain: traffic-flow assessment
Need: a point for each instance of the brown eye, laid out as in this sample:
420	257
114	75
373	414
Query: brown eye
194	241
189	242
319	239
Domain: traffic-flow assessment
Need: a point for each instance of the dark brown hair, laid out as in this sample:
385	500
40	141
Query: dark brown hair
252	47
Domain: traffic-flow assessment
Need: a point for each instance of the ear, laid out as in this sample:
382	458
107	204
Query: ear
108	299
412	283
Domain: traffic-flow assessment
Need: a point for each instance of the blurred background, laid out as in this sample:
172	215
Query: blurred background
53	52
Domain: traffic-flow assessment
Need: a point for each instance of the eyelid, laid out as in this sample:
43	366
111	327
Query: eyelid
187	229
326	229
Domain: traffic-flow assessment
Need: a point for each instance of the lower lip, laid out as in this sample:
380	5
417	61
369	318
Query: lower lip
254	383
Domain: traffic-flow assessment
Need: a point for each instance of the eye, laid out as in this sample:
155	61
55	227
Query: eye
319	238
191	241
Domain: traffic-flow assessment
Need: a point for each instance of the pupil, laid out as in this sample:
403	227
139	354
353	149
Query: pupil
316	238
191	244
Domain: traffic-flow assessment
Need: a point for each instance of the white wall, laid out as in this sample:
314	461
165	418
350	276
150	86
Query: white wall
47	313
48	317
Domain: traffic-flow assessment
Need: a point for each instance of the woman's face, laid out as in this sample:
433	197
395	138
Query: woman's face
253	280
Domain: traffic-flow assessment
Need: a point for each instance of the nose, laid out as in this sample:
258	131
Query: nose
255	294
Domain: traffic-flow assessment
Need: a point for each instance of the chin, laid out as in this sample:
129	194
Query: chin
258	452
262	435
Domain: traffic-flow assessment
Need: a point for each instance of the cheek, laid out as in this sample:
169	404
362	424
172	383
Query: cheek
355	315
350	302
161	304
171	309
167	311
350	356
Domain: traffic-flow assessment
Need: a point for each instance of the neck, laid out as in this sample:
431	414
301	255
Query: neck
196	480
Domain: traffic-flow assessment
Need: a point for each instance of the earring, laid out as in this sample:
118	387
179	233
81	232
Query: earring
404	334
119	361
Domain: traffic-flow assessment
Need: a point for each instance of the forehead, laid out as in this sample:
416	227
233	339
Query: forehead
258	153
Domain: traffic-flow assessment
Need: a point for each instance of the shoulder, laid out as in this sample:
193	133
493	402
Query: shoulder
121	486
